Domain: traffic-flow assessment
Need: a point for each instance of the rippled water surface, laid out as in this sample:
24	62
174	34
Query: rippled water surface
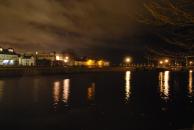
99	101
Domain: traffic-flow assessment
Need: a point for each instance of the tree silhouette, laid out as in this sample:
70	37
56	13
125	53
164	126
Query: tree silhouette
177	17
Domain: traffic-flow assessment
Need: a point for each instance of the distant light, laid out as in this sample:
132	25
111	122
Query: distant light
8	62
10	50
166	61
127	59
191	71
11	62
66	58
100	62
5	62
90	62
57	58
161	62
191	62
36	53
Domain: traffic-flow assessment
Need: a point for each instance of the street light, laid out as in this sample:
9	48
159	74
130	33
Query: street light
161	62
128	60
57	58
67	58
166	61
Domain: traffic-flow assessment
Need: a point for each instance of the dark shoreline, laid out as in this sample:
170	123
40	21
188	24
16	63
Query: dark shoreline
39	71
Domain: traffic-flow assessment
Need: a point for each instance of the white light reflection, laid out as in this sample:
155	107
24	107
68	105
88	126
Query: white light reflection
56	92
66	87
190	89
127	85
164	78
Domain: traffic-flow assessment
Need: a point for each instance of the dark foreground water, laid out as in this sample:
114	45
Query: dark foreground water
98	101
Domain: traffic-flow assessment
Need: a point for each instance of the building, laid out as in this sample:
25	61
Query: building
27	60
8	57
46	56
65	58
88	62
45	59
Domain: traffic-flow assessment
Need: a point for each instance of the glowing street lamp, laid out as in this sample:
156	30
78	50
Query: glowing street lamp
100	63
128	60
90	62
66	58
191	62
161	62
66	61
166	60
57	58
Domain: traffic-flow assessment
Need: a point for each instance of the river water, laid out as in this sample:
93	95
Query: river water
135	100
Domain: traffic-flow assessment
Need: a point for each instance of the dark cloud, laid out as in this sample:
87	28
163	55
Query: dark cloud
65	24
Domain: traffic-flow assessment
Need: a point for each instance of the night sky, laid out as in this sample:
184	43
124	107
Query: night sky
87	27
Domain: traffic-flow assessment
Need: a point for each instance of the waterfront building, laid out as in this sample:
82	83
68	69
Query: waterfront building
8	57
46	56
65	58
27	60
88	62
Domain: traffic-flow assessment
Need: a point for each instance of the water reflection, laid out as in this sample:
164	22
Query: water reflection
164	78
1	89
91	92
66	85
61	91
127	85
190	89
36	89
56	92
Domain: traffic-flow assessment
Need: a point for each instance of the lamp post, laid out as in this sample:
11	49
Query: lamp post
127	60
164	62
36	58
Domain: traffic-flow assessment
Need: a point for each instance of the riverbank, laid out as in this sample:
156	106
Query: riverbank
33	71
